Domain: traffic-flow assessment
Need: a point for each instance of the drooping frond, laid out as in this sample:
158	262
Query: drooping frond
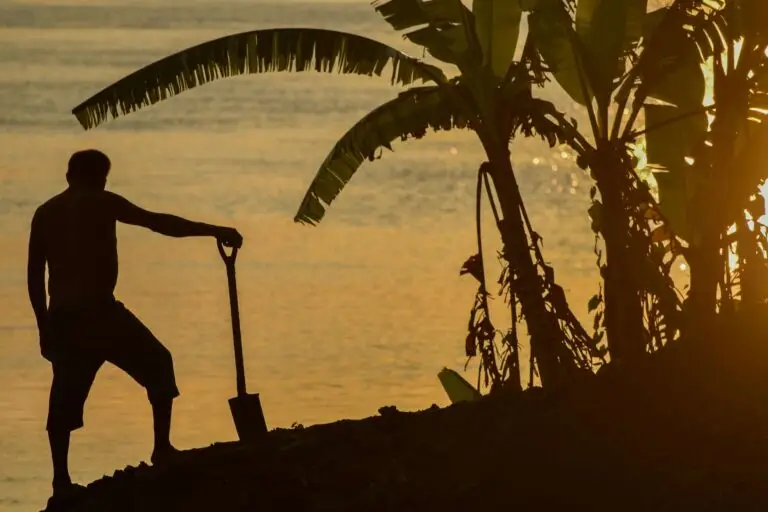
259	51
409	115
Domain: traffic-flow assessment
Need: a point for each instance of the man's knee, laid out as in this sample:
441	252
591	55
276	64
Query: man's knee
65	412
161	381
163	359
63	424
72	379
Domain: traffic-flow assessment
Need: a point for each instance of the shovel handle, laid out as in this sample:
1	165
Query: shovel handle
229	260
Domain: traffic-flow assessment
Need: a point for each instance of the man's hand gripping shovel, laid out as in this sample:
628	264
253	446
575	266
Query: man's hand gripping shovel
246	408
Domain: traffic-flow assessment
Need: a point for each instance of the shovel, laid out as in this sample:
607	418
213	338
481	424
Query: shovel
246	408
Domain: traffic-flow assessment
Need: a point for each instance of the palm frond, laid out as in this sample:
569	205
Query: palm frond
259	51
409	115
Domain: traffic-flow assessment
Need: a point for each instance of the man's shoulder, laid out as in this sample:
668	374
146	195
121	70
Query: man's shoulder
115	202
102	199
47	207
112	197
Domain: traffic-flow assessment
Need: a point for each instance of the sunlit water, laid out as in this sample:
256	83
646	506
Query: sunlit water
338	320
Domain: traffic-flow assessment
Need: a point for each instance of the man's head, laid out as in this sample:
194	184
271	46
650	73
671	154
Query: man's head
88	169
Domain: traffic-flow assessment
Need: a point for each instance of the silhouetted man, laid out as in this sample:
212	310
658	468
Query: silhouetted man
83	326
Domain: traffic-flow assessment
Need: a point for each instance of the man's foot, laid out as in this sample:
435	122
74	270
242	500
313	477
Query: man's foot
164	455
65	494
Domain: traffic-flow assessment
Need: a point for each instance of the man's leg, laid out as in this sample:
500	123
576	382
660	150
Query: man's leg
72	380
135	350
59	441
161	415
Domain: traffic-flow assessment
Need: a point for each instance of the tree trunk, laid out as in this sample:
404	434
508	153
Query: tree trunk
543	330
706	268
624	323
751	263
706	262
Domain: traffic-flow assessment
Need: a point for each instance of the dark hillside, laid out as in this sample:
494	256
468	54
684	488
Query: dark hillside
687	431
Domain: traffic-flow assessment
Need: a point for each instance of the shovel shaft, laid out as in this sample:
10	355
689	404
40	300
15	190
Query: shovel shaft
236	335
229	260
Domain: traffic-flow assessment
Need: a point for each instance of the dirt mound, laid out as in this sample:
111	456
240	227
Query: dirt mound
686	430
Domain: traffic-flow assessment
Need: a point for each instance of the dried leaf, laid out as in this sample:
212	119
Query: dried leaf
474	267
594	303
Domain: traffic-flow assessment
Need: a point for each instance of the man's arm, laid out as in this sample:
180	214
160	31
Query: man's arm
169	225
36	271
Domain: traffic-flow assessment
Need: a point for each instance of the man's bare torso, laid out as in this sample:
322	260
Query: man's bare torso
78	231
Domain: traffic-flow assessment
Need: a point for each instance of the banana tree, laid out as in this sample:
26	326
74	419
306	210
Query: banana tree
620	61
729	166
491	96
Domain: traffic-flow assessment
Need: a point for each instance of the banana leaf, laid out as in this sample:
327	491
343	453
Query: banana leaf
259	51
497	25
667	147
551	27
404	14
754	18
456	387
675	41
607	28
411	114
447	35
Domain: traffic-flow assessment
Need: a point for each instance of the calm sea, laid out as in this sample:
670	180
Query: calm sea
338	320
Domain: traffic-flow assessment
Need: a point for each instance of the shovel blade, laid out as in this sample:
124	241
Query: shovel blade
248	417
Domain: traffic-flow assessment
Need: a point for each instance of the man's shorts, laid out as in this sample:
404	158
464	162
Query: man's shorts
79	340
